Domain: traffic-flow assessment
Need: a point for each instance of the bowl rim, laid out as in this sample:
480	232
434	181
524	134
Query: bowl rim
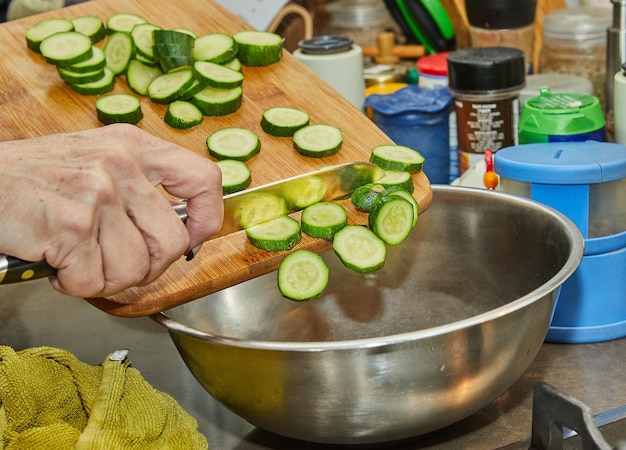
571	264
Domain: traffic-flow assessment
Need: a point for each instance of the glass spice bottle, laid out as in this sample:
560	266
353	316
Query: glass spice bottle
574	42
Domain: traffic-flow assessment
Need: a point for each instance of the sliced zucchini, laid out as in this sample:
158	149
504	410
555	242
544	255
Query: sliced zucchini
123	22
142	37
195	88
182	114
302	275
216	75
283	122
397	157
275	235
235	175
359	249
236	143
234	64
260	207
397	178
303	192
323	220
215	47
170	86
96	62
186	31
72	77
173	49
409	197
139	76
102	86
391	219
119	108
36	33
318	140
66	48
119	50
218	102
365	196
91	26
258	48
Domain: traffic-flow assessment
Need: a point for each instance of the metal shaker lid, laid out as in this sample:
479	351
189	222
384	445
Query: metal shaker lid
323	45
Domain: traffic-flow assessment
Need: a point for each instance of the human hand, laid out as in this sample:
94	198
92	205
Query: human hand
88	204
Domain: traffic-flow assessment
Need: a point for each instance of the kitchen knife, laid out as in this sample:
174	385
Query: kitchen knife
245	208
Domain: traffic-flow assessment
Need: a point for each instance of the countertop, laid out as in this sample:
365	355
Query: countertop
33	314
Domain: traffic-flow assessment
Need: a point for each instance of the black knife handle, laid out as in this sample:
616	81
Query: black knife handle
14	270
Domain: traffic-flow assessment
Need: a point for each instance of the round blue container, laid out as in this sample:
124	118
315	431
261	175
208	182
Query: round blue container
587	182
418	118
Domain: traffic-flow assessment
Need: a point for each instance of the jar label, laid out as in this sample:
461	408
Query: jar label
484	126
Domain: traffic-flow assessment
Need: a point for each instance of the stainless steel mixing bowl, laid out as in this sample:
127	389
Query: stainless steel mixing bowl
455	317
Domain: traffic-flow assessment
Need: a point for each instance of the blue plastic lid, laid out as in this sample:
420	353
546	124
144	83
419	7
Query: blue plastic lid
410	99
562	162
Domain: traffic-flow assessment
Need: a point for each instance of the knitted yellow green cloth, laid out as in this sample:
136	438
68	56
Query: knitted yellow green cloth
50	399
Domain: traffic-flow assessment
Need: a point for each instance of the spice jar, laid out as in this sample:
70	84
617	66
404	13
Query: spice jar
574	42
486	83
503	23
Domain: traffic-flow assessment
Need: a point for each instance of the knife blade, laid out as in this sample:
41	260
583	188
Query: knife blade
245	208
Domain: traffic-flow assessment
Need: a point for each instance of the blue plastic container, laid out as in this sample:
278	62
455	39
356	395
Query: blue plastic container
418	118
587	182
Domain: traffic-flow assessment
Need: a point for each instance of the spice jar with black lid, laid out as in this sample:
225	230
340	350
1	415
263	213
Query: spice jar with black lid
485	83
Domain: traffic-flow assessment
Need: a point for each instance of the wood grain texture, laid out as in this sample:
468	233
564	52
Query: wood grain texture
36	102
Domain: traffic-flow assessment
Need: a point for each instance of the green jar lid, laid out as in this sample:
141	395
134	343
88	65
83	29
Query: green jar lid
561	114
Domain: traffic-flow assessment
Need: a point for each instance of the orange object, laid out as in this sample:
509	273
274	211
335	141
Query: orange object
490	178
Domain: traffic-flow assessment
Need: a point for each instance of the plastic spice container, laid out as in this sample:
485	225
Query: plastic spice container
418	118
586	181
485	83
574	42
561	117
503	23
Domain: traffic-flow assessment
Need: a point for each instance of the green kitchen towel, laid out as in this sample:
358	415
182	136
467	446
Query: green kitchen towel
50	399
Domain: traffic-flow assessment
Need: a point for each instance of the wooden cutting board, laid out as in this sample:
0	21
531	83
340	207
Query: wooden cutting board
36	102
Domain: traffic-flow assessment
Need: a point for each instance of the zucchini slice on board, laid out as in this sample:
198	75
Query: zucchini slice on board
359	249
123	22
181	114
258	48
323	220
218	48
275	235
318	140
66	48
36	33
118	51
119	108
302	275
397	157
139	76
283	121
91	26
236	143
102	86
217	75
391	219
142	35
96	62
236	175
170	86
218	102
